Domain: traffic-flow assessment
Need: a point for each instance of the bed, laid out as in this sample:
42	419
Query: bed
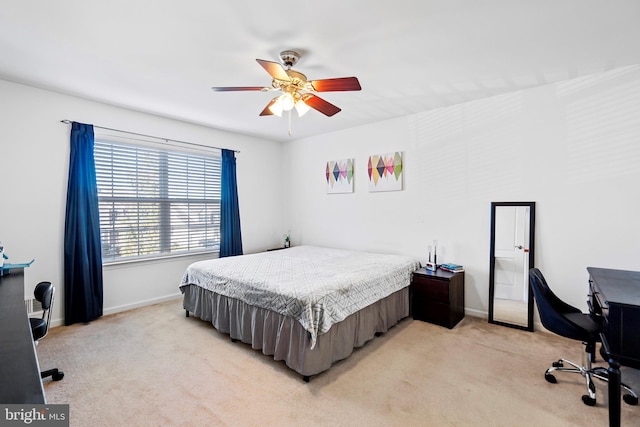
308	306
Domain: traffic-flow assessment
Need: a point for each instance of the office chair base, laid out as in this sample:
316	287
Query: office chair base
55	374
601	373
630	398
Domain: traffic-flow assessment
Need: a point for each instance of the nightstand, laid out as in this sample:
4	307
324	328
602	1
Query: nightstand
437	297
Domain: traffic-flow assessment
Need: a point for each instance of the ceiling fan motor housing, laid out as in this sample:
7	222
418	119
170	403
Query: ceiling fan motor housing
289	57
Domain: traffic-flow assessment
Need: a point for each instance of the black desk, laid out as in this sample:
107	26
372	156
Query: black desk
20	380
615	295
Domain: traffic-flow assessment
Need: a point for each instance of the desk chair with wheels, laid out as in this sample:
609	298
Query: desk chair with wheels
44	293
568	321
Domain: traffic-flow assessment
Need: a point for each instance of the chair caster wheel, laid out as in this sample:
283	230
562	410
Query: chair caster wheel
588	400
630	399
550	378
57	376
557	364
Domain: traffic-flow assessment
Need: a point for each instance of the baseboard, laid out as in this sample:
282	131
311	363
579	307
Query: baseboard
476	313
126	307
537	326
139	304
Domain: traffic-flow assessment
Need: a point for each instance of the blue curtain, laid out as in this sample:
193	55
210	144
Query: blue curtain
82	249
230	236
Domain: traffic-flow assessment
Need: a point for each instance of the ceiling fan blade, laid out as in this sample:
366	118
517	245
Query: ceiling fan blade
267	111
320	104
336	85
274	69
239	88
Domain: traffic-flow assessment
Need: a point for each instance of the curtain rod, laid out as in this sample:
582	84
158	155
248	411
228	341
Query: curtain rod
68	122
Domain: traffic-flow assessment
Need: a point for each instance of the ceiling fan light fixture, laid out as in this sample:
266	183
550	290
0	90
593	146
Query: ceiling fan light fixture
286	101
276	108
302	108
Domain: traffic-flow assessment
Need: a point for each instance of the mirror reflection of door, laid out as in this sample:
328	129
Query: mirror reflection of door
512	265
511	281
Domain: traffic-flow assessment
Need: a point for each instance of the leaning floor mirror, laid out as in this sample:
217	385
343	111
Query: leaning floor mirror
511	257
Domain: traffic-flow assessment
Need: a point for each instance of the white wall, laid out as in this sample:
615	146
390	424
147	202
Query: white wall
34	159
573	148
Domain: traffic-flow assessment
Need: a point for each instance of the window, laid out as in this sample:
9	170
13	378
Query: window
155	202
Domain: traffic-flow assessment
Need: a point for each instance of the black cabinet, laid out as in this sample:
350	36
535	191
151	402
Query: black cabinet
19	371
437	297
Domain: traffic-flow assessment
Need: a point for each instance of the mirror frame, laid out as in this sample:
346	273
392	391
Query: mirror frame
492	263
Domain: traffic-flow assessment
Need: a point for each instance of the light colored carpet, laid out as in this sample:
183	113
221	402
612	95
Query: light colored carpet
154	367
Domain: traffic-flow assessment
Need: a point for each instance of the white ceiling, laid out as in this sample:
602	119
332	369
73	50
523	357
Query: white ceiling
163	56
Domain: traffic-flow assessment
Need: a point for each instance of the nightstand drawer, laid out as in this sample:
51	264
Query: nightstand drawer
431	288
435	312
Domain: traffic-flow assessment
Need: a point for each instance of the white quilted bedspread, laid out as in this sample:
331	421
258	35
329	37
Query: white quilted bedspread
317	286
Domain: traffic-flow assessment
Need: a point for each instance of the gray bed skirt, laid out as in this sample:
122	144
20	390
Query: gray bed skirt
284	338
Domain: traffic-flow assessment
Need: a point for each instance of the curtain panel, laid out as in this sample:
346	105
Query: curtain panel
83	293
230	235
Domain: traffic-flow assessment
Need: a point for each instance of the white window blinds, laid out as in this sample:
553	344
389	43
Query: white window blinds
154	202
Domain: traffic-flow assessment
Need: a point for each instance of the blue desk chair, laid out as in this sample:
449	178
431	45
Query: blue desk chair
568	321
44	293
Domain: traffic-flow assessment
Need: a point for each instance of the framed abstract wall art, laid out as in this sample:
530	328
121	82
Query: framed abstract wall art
339	176
385	172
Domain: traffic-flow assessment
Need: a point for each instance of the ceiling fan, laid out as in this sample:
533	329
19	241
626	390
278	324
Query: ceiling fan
297	91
